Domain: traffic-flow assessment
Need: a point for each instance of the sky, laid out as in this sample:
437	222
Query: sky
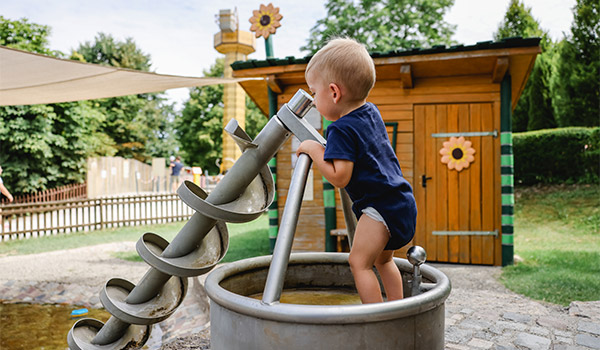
178	34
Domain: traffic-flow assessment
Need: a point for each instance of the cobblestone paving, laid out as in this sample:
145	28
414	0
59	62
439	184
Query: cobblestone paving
482	314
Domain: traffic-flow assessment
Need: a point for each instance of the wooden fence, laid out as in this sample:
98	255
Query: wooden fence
71	191
20	221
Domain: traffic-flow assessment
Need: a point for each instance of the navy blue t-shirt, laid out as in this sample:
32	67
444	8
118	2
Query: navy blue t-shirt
377	181
176	170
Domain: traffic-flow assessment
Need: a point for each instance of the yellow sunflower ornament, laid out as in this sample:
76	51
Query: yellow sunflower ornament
457	153
265	21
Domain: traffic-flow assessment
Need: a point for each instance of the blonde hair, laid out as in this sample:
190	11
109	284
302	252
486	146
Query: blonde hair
346	62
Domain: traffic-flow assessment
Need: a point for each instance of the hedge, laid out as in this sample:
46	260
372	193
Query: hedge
552	156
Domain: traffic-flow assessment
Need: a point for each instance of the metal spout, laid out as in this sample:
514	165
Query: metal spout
416	256
300	103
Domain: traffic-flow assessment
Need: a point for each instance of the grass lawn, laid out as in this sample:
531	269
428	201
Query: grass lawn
557	234
248	239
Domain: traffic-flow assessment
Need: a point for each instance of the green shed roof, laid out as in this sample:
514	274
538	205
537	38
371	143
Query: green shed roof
511	42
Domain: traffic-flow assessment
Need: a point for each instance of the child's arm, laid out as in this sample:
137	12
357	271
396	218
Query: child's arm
338	172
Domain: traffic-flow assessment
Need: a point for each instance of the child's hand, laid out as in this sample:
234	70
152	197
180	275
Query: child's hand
337	171
309	146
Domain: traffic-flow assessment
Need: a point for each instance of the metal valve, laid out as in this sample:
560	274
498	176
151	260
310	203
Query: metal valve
416	256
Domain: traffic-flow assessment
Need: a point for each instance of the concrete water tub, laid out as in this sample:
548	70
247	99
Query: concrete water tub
241	322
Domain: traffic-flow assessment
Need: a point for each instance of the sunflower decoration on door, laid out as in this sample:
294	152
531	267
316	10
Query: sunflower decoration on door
457	153
265	21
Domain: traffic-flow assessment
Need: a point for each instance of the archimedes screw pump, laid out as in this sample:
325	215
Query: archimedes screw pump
242	195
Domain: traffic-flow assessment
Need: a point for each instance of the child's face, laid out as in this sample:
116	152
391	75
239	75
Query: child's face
322	95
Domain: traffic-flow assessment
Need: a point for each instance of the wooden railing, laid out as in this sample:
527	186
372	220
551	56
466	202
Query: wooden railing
19	221
71	191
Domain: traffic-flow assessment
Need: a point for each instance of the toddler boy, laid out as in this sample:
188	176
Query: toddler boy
359	158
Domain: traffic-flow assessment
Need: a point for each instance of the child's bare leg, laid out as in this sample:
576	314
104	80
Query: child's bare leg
390	275
370	238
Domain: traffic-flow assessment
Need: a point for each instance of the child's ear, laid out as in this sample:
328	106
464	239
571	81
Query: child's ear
336	92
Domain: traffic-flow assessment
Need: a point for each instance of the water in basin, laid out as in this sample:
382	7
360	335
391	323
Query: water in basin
316	296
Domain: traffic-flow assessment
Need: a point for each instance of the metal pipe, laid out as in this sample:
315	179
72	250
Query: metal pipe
112	330
273	135
268	142
190	235
287	229
349	216
244	171
300	103
148	287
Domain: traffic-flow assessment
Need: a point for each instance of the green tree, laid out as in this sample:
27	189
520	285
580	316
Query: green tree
26	36
518	21
199	128
105	50
534	108
136	123
384	25
44	146
541	114
161	141
576	83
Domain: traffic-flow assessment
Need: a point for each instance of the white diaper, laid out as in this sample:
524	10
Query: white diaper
374	214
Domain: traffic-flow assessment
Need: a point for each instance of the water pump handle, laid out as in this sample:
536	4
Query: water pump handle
416	255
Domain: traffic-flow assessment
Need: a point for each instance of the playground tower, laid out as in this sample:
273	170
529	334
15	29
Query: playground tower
236	45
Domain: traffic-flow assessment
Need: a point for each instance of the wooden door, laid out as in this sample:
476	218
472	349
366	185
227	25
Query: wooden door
458	218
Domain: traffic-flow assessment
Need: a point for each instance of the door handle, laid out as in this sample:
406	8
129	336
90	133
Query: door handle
424	179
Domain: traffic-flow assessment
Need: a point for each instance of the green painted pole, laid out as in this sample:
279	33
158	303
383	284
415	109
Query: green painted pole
329	204
269	46
273	208
507	172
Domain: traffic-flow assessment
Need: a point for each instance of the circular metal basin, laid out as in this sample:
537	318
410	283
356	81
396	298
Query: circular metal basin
241	322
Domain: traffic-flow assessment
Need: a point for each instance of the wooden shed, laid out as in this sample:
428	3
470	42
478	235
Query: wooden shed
427	97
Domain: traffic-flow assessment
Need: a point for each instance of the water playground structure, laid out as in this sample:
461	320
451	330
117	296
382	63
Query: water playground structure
434	101
241	322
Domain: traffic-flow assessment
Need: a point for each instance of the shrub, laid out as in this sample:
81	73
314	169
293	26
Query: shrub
564	155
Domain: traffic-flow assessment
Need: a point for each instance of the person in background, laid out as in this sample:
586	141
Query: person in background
3	190
176	166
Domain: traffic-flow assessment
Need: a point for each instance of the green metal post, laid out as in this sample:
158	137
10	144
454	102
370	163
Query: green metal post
269	46
329	204
273	208
507	172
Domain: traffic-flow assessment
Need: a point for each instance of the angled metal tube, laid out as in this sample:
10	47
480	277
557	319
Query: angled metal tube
112	330
349	217
231	190
287	229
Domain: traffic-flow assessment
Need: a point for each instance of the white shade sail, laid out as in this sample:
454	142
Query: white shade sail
27	78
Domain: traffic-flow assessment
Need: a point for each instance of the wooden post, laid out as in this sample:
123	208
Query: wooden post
406	76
